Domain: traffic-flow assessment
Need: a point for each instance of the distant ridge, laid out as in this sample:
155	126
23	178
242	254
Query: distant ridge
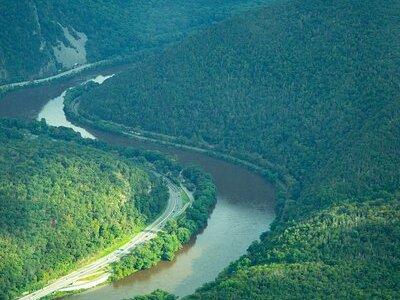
40	38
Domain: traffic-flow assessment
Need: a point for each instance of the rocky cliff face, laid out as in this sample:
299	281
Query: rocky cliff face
74	52
34	44
41	37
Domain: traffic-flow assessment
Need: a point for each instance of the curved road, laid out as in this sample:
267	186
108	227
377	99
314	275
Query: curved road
173	209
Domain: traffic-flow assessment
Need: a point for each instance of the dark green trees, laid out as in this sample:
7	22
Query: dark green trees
29	30
308	90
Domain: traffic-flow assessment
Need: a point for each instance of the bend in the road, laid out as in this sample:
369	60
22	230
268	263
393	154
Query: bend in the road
173	209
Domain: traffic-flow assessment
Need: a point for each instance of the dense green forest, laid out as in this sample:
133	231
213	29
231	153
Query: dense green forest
156	295
349	251
310	91
29	29
63	199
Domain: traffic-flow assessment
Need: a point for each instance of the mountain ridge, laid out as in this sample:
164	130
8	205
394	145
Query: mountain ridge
313	87
42	37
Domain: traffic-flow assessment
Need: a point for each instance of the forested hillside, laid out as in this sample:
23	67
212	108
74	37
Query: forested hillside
310	91
61	201
40	37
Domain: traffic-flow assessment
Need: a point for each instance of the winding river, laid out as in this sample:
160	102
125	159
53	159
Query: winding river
244	209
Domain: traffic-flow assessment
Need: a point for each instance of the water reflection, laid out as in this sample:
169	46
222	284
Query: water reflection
53	111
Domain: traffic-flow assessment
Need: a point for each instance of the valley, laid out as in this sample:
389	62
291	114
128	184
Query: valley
245	149
245	202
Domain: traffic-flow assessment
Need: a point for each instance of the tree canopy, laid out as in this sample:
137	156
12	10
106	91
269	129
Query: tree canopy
62	201
310	91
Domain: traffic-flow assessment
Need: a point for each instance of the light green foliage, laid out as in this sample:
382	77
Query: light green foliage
62	201
156	295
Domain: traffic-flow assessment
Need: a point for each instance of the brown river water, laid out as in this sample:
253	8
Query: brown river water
244	209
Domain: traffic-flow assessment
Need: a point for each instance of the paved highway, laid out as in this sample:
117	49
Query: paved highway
72	71
174	208
59	75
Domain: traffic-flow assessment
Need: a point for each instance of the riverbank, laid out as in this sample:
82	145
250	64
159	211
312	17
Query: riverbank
272	173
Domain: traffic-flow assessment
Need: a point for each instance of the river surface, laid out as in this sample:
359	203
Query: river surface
244	209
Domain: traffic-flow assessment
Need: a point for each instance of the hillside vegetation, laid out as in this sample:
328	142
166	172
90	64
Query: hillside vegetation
176	232
61	202
31	29
310	91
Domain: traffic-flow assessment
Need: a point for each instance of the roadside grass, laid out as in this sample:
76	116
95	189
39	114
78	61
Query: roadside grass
94	276
59	295
123	240
184	196
117	244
